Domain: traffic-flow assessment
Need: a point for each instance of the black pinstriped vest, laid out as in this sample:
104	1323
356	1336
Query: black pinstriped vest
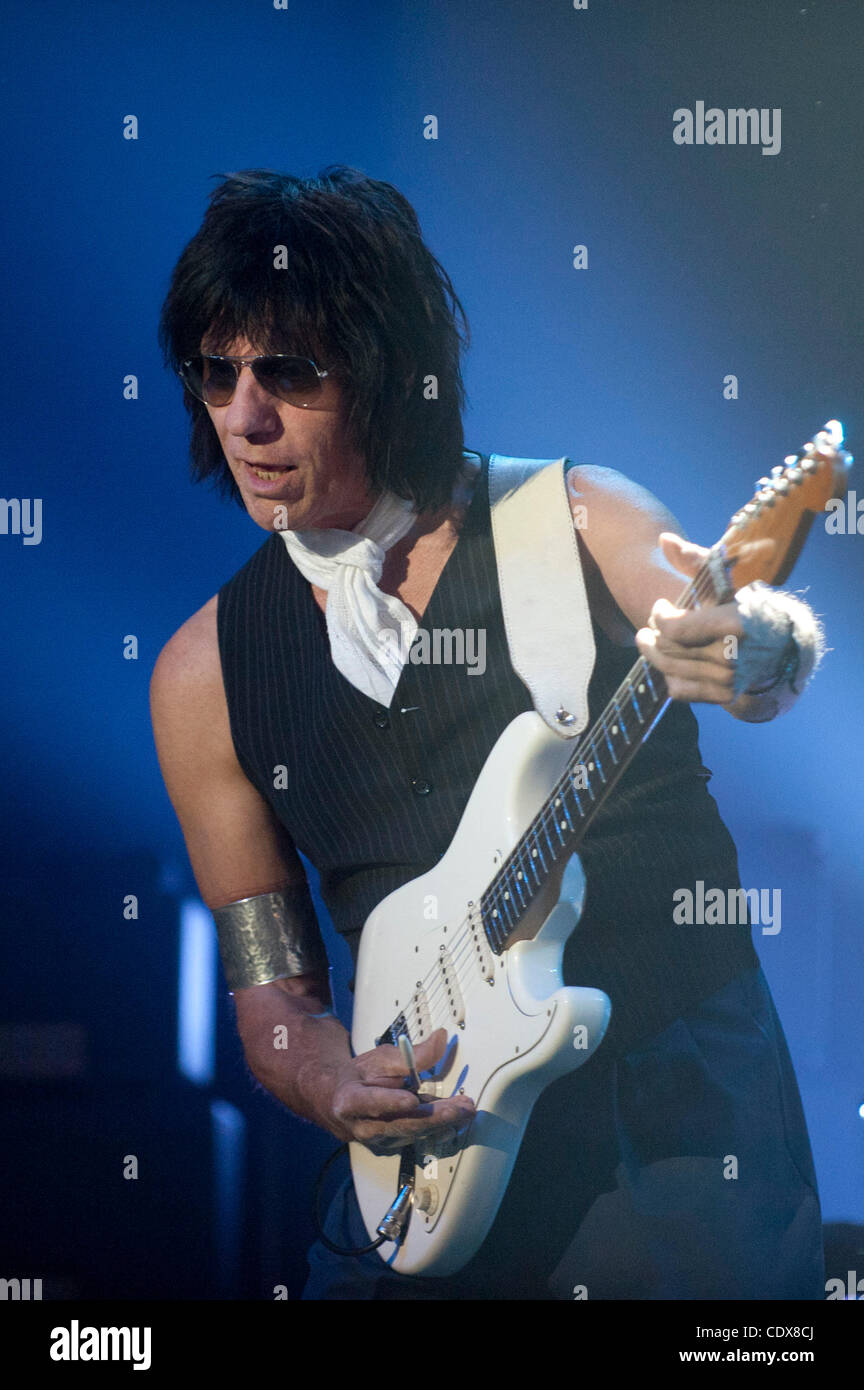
373	796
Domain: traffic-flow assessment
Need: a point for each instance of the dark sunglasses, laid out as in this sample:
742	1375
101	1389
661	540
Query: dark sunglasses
213	379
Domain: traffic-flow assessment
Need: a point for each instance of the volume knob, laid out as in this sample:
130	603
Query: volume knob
426	1199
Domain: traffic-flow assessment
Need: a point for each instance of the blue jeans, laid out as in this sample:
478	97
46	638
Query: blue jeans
681	1170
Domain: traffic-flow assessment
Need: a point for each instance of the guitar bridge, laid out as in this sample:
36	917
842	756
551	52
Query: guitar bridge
418	1028
392	1034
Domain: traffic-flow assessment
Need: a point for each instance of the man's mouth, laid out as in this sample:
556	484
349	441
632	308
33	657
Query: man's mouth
271	473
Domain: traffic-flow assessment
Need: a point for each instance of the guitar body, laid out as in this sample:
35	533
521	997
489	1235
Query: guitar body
513	1026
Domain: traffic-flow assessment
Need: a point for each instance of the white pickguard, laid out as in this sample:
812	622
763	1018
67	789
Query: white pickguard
509	1038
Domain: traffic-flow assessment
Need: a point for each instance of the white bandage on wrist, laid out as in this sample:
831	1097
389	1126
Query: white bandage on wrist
782	643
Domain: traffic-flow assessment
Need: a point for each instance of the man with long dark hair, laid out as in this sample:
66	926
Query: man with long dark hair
319	340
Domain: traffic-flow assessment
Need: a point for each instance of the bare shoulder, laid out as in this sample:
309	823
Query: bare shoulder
236	845
192	654
618	523
613	497
187	695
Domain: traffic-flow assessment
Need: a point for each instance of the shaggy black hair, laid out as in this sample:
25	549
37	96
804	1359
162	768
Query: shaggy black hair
362	295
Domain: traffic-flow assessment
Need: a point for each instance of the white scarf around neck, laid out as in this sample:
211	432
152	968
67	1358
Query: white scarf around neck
369	631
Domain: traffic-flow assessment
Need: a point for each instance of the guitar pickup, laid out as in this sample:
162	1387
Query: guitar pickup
454	1001
480	944
421	1017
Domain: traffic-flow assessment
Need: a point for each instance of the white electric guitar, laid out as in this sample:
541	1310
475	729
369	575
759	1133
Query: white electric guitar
476	944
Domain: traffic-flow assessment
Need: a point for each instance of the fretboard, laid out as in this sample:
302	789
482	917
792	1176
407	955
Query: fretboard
599	760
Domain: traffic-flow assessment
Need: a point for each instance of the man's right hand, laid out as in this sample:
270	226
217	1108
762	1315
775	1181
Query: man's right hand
360	1099
374	1106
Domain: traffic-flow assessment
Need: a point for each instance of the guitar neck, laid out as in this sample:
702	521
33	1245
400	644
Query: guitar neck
600	759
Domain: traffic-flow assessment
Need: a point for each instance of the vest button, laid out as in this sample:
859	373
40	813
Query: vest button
421	786
381	719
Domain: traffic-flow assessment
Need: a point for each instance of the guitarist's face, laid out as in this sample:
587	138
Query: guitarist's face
293	464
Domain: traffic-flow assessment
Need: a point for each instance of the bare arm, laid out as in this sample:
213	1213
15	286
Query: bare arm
238	849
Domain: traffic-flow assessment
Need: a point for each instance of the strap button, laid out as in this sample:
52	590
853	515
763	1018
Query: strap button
420	786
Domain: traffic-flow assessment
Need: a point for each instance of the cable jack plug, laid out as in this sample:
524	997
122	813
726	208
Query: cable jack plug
392	1225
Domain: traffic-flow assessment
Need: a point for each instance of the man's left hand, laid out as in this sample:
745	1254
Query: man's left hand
694	649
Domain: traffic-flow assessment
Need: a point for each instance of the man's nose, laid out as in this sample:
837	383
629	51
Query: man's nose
251	409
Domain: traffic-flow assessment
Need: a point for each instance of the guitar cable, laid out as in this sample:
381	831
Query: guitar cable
391	1225
319	1225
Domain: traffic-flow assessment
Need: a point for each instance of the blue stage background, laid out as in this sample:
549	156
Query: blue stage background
554	130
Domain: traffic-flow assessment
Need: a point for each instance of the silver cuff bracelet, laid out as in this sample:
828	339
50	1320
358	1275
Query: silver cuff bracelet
273	936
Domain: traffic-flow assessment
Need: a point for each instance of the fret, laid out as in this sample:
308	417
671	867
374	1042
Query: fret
537	853
500	926
517	883
549	840
635	704
494	935
557	827
620	718
598	765
609	746
542	819
492	941
532	860
562	801
514	898
539	845
524	866
574	792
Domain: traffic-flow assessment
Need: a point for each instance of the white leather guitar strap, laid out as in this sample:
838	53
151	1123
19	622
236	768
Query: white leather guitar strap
542	588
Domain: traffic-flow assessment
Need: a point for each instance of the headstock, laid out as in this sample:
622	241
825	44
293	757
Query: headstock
766	535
